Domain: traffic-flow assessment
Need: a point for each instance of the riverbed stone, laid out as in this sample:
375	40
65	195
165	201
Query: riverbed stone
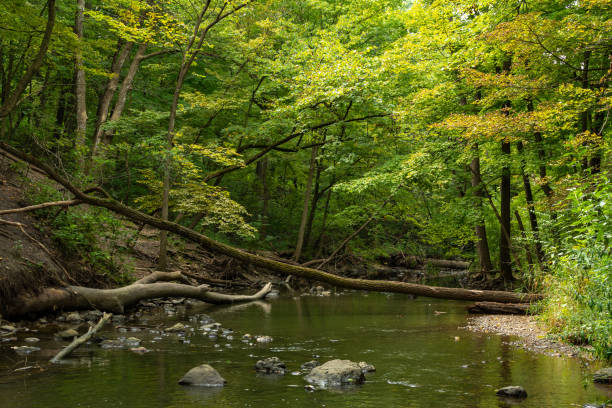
24	350
111	344
202	376
179	327
336	373
73	317
67	334
270	365
512	391
132	341
309	365
366	368
603	376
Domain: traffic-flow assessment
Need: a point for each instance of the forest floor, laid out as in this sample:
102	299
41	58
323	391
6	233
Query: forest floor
527	333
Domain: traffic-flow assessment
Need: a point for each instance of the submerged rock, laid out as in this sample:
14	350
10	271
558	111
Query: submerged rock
25	349
309	365
603	376
74	317
512	391
132	341
366	368
139	350
177	328
336	373
67	334
271	365
111	344
203	376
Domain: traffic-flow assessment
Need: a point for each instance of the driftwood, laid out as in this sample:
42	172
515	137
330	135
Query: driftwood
80	340
499	308
271	265
117	300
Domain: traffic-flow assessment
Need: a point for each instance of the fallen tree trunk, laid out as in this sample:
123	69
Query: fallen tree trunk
117	300
80	340
499	308
275	266
446	263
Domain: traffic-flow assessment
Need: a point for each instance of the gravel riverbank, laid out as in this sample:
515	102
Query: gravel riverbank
524	332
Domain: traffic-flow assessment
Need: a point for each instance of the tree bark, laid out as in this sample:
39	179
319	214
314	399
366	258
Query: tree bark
519	222
505	261
107	97
117	300
269	264
533	220
307	194
264	192
484	255
126	85
499	308
80	86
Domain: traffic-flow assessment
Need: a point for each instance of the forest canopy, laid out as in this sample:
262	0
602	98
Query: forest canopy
475	130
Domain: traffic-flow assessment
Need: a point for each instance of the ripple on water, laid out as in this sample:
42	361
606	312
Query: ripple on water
403	383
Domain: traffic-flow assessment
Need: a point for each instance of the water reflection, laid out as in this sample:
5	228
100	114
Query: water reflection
422	360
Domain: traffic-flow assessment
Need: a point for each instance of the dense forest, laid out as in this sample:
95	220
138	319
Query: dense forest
329	135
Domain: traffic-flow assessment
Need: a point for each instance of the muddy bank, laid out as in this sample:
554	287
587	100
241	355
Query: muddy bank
526	333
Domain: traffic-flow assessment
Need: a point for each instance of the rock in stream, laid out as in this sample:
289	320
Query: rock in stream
336	373
202	376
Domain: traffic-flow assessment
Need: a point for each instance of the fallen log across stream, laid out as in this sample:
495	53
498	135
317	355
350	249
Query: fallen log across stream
269	264
117	300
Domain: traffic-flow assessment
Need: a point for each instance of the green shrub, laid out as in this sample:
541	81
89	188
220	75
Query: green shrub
579	290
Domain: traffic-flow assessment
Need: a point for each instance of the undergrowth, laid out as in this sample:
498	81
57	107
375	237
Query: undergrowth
578	305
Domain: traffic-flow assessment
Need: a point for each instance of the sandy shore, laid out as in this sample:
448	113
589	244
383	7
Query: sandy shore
526	333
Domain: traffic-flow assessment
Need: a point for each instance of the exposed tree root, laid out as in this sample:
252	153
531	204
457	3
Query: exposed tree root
117	300
275	266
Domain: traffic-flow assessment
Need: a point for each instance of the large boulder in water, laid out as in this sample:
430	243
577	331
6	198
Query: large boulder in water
203	376
336	373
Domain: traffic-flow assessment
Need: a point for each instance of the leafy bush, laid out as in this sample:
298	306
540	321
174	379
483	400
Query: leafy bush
579	290
85	234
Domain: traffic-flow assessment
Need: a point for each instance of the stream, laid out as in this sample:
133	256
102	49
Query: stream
422	357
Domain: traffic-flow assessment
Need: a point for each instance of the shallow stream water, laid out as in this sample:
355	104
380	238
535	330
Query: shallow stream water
422	357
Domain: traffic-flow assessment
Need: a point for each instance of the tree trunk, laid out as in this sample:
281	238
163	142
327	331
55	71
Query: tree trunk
313	205
107	97
117	300
126	85
499	308
307	194
519	222
264	194
80	86
484	255
270	264
533	220
505	261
